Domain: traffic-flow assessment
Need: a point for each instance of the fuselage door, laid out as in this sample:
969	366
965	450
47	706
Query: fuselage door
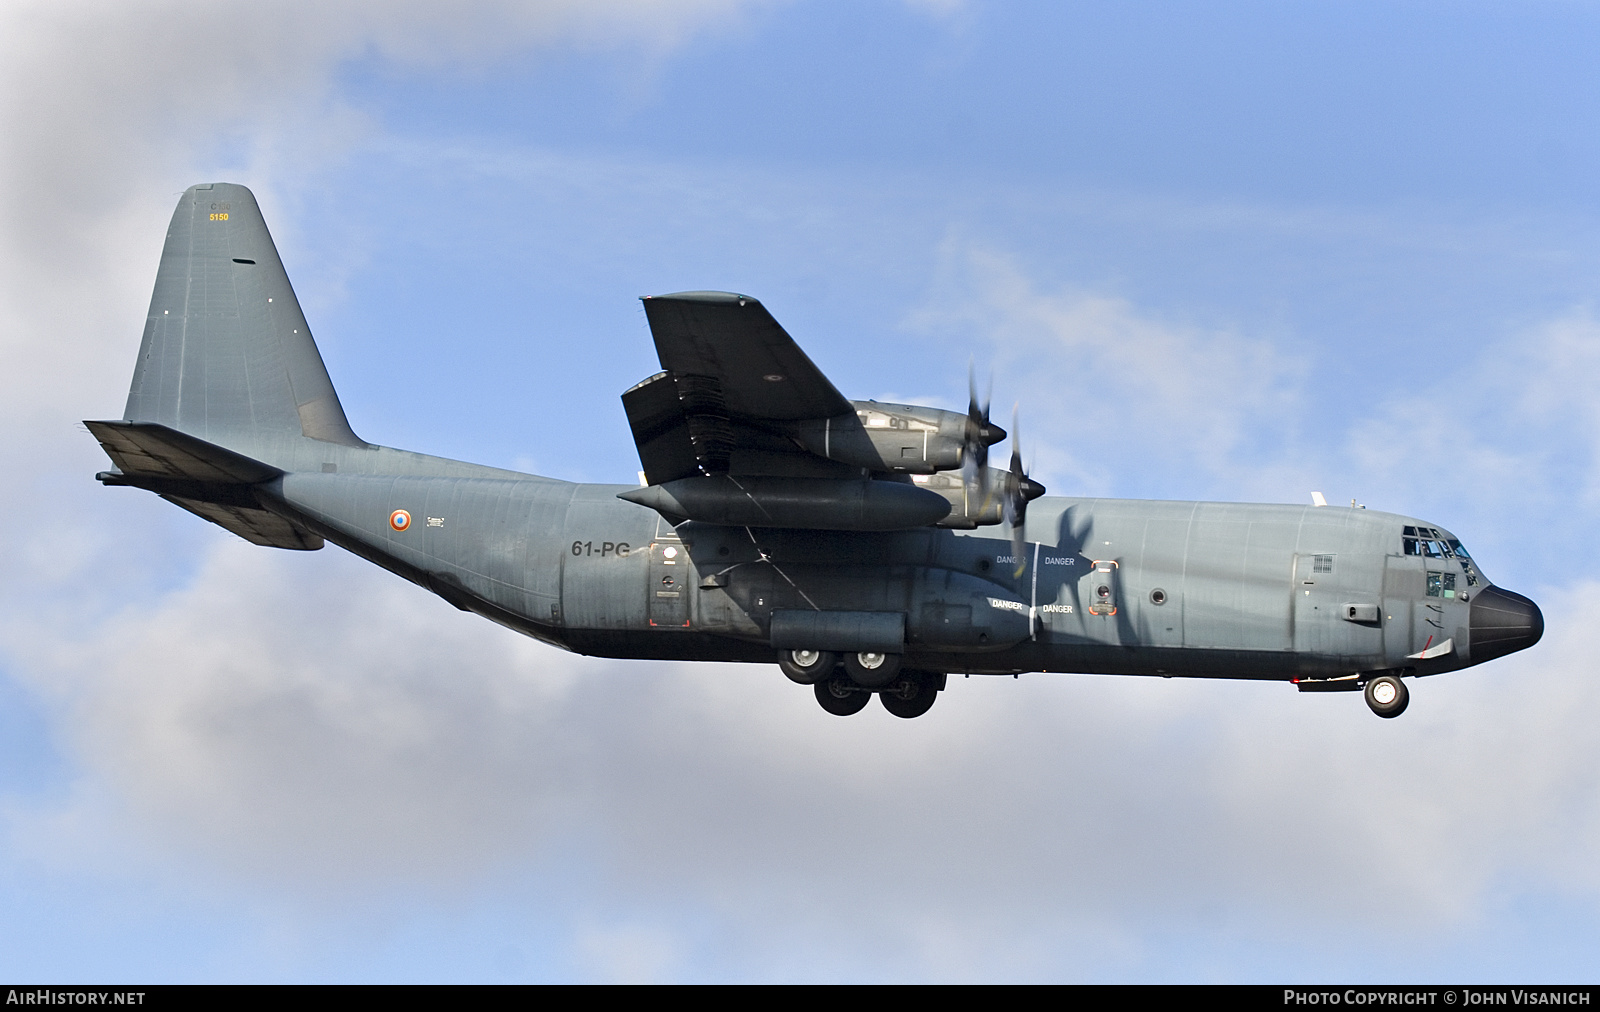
1102	588
1100	600
671	581
1315	591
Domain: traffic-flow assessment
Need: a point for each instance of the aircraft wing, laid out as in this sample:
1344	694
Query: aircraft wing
755	368
728	369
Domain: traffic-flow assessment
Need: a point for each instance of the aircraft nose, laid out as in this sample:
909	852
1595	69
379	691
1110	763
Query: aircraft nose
1502	623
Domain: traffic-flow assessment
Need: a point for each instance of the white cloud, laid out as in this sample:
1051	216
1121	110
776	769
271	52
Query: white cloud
1117	399
107	110
1103	383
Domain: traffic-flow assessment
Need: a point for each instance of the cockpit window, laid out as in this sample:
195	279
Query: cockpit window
1431	543
1467	566
1424	541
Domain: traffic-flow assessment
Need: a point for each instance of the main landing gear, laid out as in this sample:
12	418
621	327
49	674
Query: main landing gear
912	694
842	697
845	686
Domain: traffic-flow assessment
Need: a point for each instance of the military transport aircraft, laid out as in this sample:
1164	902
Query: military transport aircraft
776	521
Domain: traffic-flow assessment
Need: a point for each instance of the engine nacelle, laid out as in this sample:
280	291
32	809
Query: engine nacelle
968	507
819	504
901	438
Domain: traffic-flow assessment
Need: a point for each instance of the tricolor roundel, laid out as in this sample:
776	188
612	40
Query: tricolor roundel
400	520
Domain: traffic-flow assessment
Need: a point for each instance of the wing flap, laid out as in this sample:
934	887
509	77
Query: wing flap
660	429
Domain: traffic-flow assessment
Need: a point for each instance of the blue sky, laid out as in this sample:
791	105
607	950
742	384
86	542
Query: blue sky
1230	251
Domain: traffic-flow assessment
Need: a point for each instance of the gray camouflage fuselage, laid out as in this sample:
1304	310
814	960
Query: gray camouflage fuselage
573	565
232	416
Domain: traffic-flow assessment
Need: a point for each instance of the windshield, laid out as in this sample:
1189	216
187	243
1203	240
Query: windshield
1432	543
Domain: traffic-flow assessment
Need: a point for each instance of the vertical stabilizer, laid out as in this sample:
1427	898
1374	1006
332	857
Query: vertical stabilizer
227	355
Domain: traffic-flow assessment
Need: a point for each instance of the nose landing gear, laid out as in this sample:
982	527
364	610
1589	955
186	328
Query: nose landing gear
1387	696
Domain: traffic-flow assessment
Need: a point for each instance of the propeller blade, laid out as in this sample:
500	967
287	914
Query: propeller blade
1016	498
975	447
1018	551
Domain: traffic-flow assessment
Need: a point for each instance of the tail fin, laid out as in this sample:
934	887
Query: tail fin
227	355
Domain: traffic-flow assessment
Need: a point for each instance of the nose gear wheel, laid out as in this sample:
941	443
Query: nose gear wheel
1387	696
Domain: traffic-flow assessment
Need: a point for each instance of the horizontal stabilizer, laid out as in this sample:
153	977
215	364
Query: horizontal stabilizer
256	526
149	449
205	479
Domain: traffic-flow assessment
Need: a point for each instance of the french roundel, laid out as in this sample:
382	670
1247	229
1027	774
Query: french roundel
400	520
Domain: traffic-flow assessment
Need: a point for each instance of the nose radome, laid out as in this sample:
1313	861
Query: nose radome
1502	623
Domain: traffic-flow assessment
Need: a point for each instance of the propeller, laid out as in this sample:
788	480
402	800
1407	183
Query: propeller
979	435
1019	490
